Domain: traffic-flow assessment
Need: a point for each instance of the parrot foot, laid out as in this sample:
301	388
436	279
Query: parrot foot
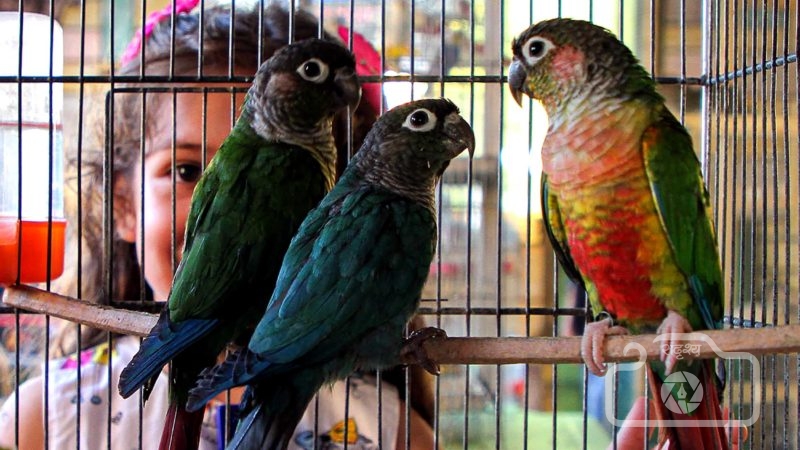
592	343
673	325
413	350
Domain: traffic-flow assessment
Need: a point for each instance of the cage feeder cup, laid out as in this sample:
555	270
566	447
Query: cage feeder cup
32	224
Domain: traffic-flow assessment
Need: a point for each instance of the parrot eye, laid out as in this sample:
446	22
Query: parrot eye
420	120
535	49
313	70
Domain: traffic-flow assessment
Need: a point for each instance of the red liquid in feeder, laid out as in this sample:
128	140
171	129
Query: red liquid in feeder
32	236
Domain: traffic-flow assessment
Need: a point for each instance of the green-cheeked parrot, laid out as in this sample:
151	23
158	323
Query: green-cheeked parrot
352	277
625	205
275	166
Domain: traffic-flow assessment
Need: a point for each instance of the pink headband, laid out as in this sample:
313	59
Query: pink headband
368	60
181	6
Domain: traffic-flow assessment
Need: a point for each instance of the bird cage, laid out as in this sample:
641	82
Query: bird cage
511	373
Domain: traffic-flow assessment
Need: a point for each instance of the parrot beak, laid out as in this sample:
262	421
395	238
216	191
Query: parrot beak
347	82
459	131
516	80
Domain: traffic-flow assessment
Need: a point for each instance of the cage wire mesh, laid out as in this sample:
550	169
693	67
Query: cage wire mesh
727	68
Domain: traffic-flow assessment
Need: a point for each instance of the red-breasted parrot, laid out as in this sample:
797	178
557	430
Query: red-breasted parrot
275	166
352	277
624	202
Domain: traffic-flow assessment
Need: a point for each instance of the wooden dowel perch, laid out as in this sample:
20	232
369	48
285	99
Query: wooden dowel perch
98	316
454	350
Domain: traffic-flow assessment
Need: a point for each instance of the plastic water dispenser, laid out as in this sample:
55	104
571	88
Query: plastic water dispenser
32	224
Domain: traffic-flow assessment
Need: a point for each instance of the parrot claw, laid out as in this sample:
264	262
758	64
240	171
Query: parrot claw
672	326
592	343
413	350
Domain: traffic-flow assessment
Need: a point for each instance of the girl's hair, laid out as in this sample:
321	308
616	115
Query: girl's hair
166	52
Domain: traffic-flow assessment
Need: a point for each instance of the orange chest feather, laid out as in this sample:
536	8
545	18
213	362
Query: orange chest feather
618	245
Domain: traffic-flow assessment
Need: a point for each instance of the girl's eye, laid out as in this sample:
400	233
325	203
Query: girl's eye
188	173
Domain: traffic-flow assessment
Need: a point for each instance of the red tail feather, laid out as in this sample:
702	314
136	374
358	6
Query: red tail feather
181	429
691	437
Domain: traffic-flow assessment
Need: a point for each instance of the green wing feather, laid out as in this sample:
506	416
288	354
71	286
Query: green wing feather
235	218
682	203
355	234
554	227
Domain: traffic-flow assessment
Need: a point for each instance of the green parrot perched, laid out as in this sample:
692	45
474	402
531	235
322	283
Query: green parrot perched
625	205
351	279
275	166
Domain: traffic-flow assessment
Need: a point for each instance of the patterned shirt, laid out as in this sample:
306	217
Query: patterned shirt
330	417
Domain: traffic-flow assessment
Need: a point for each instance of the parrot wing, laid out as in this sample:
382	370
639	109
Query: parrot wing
214	212
235	229
682	203
556	233
346	273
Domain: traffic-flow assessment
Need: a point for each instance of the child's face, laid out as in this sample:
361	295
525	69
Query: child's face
151	186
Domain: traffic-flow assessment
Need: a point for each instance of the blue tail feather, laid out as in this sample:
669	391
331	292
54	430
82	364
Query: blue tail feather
238	368
166	340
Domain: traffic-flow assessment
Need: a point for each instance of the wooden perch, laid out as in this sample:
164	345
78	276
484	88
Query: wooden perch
98	316
454	350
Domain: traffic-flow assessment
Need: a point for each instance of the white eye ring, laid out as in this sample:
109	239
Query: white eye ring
420	120
313	70
535	49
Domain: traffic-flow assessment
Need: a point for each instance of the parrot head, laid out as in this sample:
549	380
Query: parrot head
412	144
304	83
558	60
